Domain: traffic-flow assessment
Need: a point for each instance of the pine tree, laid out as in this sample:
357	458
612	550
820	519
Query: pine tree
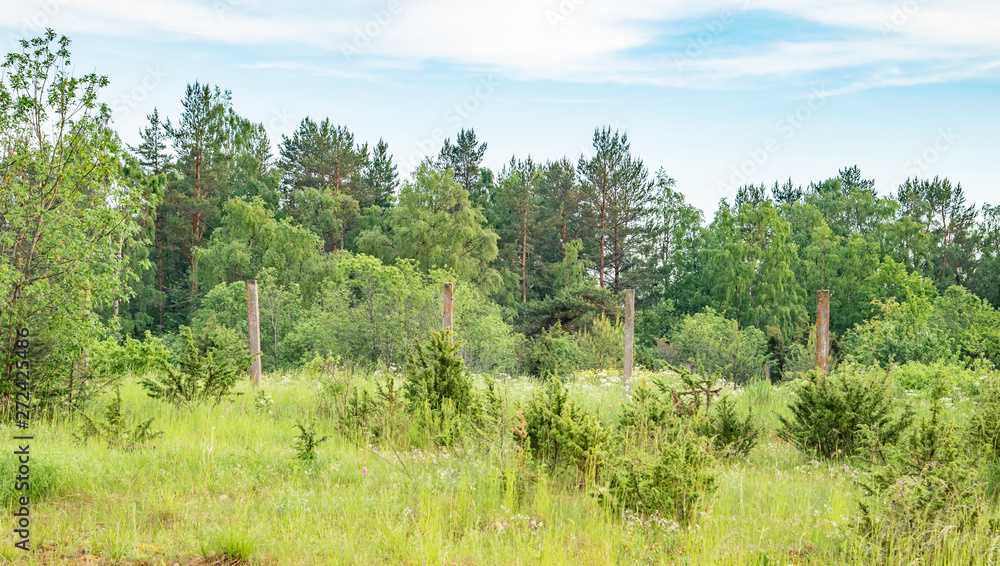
622	196
464	158
151	151
380	176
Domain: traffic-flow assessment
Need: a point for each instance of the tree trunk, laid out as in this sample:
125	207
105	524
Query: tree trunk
159	269
524	256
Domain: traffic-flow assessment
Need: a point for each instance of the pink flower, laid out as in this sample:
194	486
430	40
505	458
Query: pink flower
364	471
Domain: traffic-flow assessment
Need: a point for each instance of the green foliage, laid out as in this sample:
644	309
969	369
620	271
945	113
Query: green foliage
658	463
263	402
900	333
111	361
235	546
984	424
927	484
603	343
829	412
732	435
720	346
46	480
956	326
67	209
561	433
574	308
116	430
488	341
436	225
306	442
203	373
915	376
674	480
355	411
553	353
748	267
434	374
368	312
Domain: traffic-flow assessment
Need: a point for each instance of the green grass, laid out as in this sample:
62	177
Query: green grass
223	484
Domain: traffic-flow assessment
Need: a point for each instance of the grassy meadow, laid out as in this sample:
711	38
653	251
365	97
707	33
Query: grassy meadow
223	485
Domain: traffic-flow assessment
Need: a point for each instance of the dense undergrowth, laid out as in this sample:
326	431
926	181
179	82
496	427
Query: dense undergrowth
429	464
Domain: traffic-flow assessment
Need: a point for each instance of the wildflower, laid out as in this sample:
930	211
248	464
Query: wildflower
364	471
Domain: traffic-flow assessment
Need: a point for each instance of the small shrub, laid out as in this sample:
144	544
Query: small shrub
201	375
435	373
984	425
829	411
674	479
603	343
553	352
647	409
927	484
729	433
305	443
561	433
115	429
323	367
924	377
438	391
354	415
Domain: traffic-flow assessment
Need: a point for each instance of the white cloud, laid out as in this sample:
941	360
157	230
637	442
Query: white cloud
574	40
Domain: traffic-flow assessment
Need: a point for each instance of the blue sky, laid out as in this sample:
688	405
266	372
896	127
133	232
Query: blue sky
716	92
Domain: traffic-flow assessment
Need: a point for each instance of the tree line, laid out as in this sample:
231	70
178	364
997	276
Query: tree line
102	240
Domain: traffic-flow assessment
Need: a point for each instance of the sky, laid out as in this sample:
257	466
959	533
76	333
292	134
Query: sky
717	93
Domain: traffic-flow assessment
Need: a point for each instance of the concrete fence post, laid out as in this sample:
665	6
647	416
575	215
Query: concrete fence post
823	330
253	313
629	338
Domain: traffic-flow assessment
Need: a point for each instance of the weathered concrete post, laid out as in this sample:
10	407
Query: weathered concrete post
254	314
823	331
629	336
449	297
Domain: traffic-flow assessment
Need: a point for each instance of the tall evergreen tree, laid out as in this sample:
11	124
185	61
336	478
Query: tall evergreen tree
564	217
151	150
939	209
380	178
326	158
514	205
191	206
621	194
464	158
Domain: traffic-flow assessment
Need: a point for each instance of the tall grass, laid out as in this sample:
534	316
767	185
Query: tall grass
223	483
